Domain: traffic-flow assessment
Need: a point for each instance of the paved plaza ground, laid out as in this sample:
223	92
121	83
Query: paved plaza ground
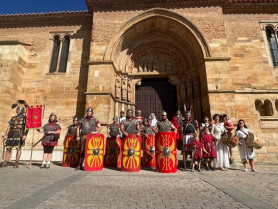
60	187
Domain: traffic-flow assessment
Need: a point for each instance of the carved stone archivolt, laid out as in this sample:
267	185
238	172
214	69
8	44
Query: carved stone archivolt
151	60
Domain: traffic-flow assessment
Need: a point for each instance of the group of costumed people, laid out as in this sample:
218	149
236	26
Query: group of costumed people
199	141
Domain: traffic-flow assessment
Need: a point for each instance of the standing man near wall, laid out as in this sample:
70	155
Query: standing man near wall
15	136
190	127
88	124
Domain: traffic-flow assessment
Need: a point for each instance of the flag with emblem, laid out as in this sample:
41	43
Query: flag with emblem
34	117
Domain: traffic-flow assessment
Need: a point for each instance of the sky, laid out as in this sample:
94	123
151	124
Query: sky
38	6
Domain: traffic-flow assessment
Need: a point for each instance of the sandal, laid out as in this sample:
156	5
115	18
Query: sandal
16	164
5	164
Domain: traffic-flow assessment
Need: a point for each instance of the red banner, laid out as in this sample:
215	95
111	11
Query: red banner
34	117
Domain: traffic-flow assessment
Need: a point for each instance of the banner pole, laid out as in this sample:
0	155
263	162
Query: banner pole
30	164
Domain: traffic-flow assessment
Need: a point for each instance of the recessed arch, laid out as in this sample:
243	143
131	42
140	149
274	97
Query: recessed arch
182	23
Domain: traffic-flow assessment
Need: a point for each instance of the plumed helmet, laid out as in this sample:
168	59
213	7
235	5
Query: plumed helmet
90	109
75	118
22	109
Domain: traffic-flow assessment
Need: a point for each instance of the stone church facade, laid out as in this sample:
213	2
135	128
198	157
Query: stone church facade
221	55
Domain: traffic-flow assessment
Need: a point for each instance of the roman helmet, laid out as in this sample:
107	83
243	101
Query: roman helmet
75	118
90	109
163	113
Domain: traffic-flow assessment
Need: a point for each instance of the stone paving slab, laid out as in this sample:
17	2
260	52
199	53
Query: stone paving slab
60	187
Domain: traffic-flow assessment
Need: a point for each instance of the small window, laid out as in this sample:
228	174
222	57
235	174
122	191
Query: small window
268	108
259	107
59	57
273	45
55	54
64	55
276	104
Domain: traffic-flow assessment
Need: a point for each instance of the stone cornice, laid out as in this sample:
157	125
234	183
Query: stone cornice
28	20
229	6
245	91
110	5
14	42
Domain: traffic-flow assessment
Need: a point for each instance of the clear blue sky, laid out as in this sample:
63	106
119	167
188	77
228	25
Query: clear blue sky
38	6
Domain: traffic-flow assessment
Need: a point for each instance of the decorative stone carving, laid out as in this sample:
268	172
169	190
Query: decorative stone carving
124	89
129	90
138	83
118	88
155	63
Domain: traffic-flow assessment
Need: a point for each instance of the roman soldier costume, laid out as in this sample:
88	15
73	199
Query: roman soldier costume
72	129
71	155
190	127
165	146
16	134
114	128
87	125
131	144
112	157
177	122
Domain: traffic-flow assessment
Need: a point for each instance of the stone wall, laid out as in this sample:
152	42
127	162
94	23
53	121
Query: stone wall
25	67
236	70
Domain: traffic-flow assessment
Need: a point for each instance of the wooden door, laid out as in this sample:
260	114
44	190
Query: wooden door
156	95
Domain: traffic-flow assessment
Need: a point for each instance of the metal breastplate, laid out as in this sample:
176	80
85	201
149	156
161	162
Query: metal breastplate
130	126
72	130
17	127
164	125
88	126
46	128
114	129
148	130
189	128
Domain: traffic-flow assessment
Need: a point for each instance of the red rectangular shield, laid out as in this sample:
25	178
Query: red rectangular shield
149	151
34	117
94	152
131	153
71	155
112	157
166	152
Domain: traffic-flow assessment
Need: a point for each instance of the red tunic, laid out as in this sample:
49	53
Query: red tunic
208	139
178	125
228	124
196	147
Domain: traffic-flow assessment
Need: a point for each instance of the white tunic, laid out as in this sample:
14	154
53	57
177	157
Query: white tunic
221	149
244	151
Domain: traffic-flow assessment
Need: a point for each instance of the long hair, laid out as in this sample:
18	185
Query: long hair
215	115
238	127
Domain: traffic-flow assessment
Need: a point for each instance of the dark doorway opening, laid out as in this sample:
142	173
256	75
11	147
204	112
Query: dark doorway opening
156	95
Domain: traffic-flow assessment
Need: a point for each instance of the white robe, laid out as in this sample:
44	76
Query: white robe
221	149
244	151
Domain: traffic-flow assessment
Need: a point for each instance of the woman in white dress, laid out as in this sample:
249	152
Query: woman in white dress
222	151
246	153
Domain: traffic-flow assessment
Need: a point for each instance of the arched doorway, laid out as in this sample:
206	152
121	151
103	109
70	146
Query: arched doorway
160	44
155	96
